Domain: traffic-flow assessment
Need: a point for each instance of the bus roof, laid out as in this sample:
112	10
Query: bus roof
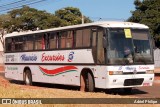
105	24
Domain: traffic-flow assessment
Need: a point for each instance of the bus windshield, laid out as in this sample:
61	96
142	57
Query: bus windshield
128	46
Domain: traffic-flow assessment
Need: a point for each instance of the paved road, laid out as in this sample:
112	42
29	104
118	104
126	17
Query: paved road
141	92
148	92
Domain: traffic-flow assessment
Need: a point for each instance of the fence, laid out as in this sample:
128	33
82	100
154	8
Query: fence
157	57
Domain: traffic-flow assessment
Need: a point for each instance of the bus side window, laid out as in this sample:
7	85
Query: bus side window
43	46
18	43
53	41
79	38
100	49
28	44
9	44
86	37
63	39
94	35
46	40
13	45
25	43
39	42
69	39
83	38
94	44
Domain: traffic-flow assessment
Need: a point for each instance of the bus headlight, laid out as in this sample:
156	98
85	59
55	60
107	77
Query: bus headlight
149	71
115	72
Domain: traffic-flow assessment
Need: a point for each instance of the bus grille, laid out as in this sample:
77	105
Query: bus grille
129	82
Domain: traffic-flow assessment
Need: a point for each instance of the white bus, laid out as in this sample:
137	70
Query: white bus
102	55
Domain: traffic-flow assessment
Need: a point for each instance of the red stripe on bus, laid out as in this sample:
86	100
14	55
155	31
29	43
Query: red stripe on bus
57	70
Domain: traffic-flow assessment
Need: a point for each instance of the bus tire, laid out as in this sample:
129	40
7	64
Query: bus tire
87	82
90	83
82	83
27	77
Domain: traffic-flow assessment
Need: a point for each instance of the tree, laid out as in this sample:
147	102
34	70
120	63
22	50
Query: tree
2	32
28	18
71	15
148	13
3	18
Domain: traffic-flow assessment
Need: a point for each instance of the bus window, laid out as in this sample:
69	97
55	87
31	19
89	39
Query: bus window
83	38
39	42
18	43
86	37
79	38
94	48
46	40
28	43
63	39
13	45
66	39
9	44
69	39
53	41
94	39
100	49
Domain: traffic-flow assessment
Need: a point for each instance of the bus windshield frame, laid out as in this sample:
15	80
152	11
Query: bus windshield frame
129	46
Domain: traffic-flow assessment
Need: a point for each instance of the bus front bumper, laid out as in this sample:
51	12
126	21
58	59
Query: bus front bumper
128	81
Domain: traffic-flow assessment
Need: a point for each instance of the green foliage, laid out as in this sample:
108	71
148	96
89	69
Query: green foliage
72	15
3	19
148	13
28	18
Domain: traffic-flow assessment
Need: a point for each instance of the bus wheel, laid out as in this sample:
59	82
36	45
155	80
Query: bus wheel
82	83
28	77
87	82
90	83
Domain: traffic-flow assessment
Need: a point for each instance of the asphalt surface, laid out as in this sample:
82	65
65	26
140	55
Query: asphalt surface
148	92
140	92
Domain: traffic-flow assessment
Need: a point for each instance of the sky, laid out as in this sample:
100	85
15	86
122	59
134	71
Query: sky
94	9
